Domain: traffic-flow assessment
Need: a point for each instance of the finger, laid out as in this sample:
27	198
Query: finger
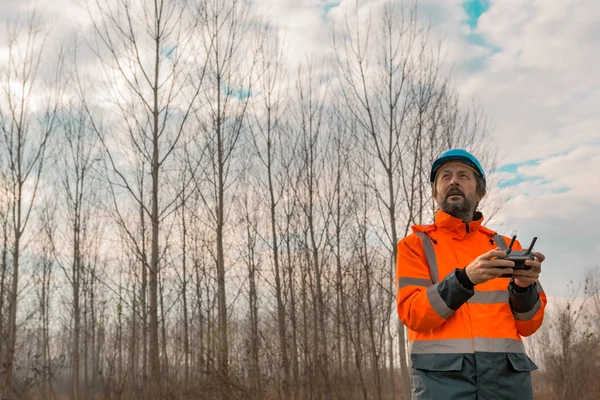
534	264
496	272
521	273
539	256
529	273
499	263
492	254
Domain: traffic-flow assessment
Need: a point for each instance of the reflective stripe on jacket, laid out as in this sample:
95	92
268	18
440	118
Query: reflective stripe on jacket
468	340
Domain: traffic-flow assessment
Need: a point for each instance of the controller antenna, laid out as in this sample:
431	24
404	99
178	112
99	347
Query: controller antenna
512	241
531	245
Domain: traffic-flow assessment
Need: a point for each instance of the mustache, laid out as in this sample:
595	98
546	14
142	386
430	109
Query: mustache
454	191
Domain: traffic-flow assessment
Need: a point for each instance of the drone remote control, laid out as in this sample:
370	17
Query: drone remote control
519	256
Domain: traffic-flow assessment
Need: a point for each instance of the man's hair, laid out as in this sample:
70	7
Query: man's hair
480	188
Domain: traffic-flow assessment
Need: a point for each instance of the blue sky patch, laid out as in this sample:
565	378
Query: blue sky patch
503	184
474	10
512	168
560	190
516	180
240	93
478	40
168	52
327	6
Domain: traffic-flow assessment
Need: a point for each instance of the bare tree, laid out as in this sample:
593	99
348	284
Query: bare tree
77	152
26	123
147	48
368	309
376	91
268	138
249	212
312	147
185	276
220	116
5	206
341	206
570	343
291	258
45	286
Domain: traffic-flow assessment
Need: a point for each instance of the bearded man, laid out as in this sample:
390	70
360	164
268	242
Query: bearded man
465	318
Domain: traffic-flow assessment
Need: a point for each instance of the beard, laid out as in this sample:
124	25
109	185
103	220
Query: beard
462	208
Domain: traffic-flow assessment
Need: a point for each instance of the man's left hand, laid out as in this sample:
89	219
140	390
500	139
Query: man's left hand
524	278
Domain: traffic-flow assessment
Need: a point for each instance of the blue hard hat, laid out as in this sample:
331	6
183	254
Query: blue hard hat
456	155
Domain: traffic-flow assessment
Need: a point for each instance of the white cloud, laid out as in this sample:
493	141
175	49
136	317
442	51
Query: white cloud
534	67
560	207
304	31
541	89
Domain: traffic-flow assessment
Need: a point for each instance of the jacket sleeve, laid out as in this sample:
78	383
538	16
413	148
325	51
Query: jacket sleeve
528	308
423	305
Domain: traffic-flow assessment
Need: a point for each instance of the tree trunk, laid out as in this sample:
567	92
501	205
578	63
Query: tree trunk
3	291
281	315
163	328
293	318
75	274
186	337
155	375
12	299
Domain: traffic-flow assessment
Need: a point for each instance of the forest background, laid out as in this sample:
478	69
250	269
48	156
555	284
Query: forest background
201	199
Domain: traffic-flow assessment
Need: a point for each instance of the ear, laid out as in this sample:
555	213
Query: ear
434	193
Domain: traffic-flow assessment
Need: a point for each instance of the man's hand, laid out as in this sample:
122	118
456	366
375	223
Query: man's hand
524	278
485	267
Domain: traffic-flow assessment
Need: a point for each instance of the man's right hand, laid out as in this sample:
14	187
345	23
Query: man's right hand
486	266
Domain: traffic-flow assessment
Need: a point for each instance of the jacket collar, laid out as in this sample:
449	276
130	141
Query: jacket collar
456	226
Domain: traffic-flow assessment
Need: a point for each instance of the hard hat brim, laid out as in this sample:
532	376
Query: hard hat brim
461	158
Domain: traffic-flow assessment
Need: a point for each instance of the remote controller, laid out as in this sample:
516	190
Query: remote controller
519	256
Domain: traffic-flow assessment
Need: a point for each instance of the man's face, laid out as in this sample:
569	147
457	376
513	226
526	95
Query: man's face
455	190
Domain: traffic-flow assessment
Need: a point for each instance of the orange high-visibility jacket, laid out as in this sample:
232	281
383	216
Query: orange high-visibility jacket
447	321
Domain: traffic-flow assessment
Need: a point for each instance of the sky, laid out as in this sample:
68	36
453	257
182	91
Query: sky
533	67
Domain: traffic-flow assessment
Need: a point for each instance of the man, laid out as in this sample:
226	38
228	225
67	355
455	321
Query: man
465	321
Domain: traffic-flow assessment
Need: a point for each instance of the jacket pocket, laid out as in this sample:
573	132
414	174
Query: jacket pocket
437	362
443	376
521	362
